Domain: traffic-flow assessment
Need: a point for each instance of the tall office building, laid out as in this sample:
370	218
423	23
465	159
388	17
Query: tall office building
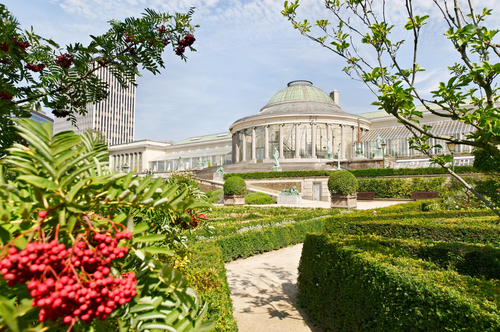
113	116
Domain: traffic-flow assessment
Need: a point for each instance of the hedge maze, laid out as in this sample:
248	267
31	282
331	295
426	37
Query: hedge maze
400	269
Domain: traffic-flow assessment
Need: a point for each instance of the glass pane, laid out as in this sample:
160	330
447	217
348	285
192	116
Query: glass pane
289	141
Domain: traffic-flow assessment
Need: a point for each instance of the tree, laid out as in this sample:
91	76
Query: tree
469	96
96	258
36	72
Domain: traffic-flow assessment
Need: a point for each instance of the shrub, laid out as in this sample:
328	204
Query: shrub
343	183
370	172
258	199
369	284
235	186
213	195
207	275
485	161
403	187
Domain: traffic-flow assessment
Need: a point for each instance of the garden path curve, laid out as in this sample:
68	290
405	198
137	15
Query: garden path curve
264	292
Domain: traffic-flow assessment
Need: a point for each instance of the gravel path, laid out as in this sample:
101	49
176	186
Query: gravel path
264	291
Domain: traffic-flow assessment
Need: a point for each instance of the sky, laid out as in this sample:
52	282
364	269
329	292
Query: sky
246	52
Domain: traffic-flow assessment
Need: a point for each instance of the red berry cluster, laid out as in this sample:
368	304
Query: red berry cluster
65	60
72	300
103	62
60	113
24	45
71	283
35	68
192	222
187	41
129	38
5	96
4	47
183	43
162	30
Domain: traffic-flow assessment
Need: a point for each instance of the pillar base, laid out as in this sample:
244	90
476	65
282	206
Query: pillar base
276	168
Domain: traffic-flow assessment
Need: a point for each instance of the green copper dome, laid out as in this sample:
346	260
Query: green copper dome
300	90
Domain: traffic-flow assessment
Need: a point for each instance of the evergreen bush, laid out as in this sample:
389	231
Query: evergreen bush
258	199
235	186
343	183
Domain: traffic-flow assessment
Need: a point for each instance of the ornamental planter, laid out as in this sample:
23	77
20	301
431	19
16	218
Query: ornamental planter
234	199
343	201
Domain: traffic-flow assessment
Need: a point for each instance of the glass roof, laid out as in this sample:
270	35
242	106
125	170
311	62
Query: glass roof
300	90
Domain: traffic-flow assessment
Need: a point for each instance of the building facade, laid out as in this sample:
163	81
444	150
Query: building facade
303	127
113	116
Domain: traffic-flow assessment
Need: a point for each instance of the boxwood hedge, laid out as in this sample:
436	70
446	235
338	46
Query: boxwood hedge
351	284
370	172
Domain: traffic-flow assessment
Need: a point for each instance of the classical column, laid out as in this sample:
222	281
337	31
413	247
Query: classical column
313	140
342	142
233	149
266	142
254	155
237	144
281	140
297	141
354	141
132	166
140	168
244	143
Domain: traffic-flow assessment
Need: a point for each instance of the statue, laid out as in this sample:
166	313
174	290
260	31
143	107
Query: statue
181	163
378	145
276	155
220	170
205	161
199	164
290	192
328	149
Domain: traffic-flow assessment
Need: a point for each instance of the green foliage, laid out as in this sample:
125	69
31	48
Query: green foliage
67	177
403	187
258	199
235	185
370	172
376	286
343	183
207	276
485	161
66	79
387	268
213	195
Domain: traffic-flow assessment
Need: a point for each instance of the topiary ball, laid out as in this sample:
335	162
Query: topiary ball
235	186
343	183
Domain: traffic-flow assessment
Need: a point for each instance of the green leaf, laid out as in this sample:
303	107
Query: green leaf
140	228
159	326
158	250
142	307
149	238
151	315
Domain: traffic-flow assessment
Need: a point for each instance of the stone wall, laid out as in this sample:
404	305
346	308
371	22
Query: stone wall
206	187
277	185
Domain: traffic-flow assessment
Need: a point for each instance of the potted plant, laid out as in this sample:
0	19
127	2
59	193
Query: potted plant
343	186
234	191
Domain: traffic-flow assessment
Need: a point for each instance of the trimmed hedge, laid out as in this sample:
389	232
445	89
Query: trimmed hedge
259	199
343	183
403	187
235	185
207	276
350	284
371	172
461	227
242	245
